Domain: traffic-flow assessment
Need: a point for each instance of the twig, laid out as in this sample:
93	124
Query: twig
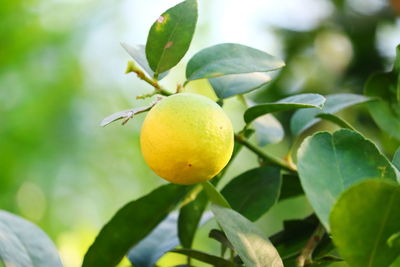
305	256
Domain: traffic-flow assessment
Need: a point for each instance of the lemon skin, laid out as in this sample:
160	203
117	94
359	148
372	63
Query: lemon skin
186	138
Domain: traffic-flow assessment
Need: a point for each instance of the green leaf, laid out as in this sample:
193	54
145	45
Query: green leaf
131	224
189	218
138	53
250	243
229	58
396	159
289	103
254	192
214	196
24	244
235	84
336	120
329	163
305	118
291	187
363	219
204	257
394	240
220	237
170	36
268	130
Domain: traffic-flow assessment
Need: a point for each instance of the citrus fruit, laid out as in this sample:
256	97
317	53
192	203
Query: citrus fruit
186	138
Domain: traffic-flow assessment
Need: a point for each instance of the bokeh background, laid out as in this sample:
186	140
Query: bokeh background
62	71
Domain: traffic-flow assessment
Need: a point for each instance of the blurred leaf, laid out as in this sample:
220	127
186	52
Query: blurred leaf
138	53
396	159
386	110
229	58
336	120
220	237
250	243
254	192
291	187
288	103
24	244
305	118
161	240
394	240
363	219
268	130
235	84
330	163
204	257
170	36
189	218
214	196
131	224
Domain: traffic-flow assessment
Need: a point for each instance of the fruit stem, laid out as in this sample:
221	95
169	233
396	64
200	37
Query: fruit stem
153	82
264	155
305	256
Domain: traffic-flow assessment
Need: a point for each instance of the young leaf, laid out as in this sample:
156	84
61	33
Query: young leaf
138	53
170	36
235	84
305	118
336	120
250	243
254	192
23	244
205	257
289	103
363	219
131	224
229	58
329	163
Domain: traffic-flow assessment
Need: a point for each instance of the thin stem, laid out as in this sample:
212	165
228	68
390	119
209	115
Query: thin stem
305	256
153	82
264	155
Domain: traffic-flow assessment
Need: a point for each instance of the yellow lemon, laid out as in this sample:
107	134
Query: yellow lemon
186	138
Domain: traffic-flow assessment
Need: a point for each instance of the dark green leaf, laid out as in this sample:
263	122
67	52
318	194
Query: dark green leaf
335	119
138	53
131	224
189	218
254	192
204	257
235	84
363	219
170	36
220	237
161	240
289	103
23	244
250	243
305	118
229	58
214	196
329	163
291	187
396	159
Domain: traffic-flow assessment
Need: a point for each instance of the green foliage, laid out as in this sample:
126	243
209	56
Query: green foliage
326	167
204	257
24	244
363	222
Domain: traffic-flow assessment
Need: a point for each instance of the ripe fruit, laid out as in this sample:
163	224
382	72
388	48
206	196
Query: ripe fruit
186	138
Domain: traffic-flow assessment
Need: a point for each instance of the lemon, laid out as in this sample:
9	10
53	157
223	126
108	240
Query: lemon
186	138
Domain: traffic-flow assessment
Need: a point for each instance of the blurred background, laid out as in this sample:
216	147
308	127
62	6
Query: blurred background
62	71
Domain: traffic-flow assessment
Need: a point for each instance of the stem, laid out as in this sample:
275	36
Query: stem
153	82
305	256
265	156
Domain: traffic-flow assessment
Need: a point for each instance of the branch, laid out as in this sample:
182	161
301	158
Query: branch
305	256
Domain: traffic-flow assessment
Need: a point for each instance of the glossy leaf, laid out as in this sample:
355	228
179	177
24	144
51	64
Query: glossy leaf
24	244
235	84
329	163
250	243
214	196
288	103
138	53
142	215
396	159
229	58
189	219
305	118
254	192
363	219
205	257
170	36
335	119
